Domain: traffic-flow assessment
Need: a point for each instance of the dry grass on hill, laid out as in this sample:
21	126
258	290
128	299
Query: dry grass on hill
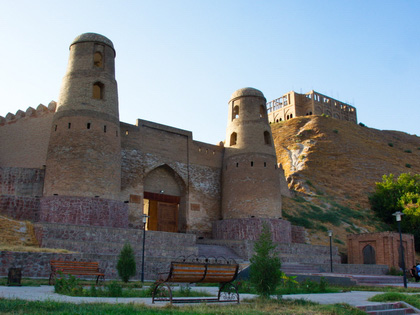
333	165
19	236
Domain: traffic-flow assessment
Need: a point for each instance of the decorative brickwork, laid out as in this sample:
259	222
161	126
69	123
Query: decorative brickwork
20	208
380	248
84	211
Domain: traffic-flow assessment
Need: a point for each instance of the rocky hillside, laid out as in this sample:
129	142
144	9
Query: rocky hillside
332	166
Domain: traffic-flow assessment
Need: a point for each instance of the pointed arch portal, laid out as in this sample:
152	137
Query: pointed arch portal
164	200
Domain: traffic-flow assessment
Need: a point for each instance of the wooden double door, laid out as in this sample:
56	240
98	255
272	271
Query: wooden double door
163	212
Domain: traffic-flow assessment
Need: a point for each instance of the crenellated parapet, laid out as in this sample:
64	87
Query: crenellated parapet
41	110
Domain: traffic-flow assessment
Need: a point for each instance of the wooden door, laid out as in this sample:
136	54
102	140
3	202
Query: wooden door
167	216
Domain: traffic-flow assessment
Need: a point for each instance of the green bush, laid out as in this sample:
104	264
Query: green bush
391	144
362	125
407	151
265	273
67	285
407	165
335	131
114	289
126	265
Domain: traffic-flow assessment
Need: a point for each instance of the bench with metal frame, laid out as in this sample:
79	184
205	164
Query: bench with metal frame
198	270
80	268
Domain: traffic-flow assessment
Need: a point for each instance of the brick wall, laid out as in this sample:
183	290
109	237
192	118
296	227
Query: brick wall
386	246
24	137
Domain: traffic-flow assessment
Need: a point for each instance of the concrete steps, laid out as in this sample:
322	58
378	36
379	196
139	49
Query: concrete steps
376	280
395	308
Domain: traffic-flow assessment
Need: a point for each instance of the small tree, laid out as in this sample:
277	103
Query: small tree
265	273
126	265
399	194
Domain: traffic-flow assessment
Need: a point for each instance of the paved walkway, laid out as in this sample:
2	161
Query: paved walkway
44	293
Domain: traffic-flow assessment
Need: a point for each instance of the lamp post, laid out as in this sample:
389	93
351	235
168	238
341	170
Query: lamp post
330	233
398	215
144	243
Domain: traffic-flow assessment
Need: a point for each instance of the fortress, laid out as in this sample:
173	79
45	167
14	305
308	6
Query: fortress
293	104
87	180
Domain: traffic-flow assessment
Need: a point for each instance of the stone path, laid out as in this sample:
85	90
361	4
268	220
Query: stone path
43	293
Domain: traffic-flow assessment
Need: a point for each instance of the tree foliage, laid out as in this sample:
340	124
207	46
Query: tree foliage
265	273
126	265
399	194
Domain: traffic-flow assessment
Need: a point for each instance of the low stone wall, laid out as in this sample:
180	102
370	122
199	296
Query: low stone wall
37	265
290	253
84	211
108	240
250	229
356	269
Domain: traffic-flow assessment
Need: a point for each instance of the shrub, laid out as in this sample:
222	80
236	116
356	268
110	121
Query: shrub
126	265
407	151
362	124
265	273
335	131
114	289
67	286
394	272
408	165
391	144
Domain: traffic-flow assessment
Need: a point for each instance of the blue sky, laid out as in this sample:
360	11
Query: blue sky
178	62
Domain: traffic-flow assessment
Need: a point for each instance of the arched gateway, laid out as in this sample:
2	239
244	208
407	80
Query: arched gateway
164	200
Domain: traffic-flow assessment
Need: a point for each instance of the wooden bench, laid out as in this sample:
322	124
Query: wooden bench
198	272
79	268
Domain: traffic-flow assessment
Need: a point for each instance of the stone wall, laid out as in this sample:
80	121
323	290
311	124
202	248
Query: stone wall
84	211
37	265
24	137
250	229
288	253
299	234
108	240
20	191
356	269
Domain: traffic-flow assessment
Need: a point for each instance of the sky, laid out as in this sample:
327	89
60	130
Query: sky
178	62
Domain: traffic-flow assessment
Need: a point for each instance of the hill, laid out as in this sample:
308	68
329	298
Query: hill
332	166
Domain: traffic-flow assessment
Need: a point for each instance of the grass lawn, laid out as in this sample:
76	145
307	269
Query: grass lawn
256	306
412	299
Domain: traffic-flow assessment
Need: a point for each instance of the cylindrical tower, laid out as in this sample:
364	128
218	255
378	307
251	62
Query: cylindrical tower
84	153
251	182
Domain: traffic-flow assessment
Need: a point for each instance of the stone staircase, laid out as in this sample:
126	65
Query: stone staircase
217	251
395	308
296	268
376	280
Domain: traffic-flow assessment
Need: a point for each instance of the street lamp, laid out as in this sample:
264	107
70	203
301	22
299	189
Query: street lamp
145	216
398	215
330	233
